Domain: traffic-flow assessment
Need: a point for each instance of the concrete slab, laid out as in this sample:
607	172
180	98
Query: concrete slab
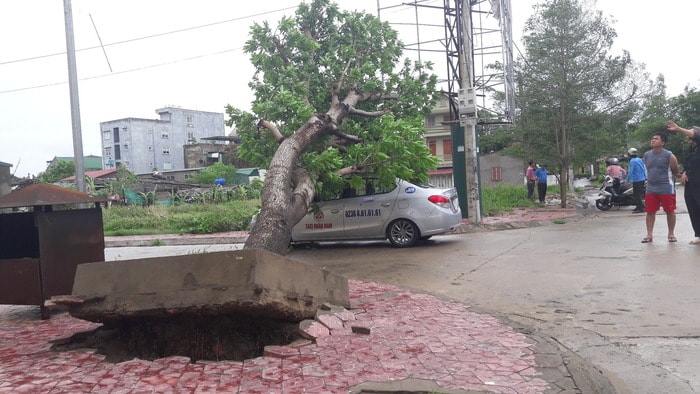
252	282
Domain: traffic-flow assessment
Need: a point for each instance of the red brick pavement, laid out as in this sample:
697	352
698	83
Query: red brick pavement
412	335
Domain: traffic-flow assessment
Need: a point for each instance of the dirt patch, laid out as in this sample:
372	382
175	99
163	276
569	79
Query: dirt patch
215	338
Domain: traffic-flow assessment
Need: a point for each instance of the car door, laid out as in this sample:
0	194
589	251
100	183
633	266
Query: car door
366	215
323	223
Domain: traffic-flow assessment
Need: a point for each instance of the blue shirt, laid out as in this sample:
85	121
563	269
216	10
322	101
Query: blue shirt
541	174
637	171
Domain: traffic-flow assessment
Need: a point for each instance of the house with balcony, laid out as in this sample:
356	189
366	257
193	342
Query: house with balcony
146	145
438	138
494	168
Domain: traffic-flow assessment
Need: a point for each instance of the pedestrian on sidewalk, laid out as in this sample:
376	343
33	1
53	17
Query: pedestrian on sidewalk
637	175
541	174
690	177
531	180
662	167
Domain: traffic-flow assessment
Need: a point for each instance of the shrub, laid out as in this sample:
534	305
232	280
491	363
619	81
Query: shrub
185	218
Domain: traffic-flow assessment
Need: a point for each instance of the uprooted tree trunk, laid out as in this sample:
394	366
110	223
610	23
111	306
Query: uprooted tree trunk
288	190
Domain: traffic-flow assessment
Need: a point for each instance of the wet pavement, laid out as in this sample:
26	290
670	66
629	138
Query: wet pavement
409	342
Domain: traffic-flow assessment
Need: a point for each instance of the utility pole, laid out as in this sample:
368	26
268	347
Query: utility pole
74	102
468	116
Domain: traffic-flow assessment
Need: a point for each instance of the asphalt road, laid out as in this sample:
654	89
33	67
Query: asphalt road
632	309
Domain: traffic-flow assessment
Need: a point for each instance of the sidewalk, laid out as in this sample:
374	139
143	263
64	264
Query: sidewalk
415	343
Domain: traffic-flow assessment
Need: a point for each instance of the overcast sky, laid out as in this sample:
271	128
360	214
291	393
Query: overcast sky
189	54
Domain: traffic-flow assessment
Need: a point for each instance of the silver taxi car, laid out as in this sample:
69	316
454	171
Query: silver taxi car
403	214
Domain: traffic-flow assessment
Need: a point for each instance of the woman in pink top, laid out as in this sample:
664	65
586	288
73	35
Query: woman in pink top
531	179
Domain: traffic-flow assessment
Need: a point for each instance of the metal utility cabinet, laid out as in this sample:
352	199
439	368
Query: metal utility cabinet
43	238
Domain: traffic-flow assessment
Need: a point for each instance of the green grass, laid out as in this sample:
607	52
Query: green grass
180	219
235	215
506	198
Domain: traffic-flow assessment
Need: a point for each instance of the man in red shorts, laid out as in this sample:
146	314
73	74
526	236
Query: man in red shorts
662	168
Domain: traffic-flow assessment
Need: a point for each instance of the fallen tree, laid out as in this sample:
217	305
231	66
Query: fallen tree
332	101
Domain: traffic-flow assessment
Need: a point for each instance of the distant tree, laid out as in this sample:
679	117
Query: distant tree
207	175
576	99
684	109
125	179
332	103
57	171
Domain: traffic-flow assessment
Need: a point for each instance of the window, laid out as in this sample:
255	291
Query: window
107	135
166	150
190	121
433	147
496	174
116	134
117	153
126	146
447	147
167	166
108	151
430	121
164	133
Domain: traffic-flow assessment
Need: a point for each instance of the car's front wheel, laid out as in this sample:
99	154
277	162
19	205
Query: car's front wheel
403	233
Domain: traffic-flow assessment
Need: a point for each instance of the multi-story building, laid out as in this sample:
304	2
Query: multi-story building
145	145
494	168
438	137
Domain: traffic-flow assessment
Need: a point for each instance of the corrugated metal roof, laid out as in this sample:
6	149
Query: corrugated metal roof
93	174
46	194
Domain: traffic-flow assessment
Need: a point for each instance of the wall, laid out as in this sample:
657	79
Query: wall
199	154
147	144
512	170
5	178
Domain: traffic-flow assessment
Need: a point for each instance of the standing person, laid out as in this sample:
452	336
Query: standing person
637	175
662	167
531	180
541	174
691	177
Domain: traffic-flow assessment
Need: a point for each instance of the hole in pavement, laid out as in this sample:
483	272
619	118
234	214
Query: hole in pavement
215	338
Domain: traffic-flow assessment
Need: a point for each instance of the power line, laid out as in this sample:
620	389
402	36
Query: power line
123	72
149	36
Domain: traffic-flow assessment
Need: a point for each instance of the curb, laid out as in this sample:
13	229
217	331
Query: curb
510	222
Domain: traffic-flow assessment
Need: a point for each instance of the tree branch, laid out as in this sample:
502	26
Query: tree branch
347	137
281	50
272	129
373	114
303	193
358	167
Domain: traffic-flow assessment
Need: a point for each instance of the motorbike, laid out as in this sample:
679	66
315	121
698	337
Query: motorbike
614	194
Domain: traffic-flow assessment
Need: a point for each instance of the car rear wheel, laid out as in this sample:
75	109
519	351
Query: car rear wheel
403	233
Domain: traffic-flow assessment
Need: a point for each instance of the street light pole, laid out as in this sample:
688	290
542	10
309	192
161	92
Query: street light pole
74	101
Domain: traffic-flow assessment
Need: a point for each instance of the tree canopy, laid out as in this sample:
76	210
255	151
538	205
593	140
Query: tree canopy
333	101
60	170
576	98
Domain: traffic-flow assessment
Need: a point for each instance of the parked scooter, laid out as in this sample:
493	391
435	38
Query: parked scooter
612	195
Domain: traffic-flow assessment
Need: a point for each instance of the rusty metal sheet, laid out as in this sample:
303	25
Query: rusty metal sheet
68	238
19	282
46	194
